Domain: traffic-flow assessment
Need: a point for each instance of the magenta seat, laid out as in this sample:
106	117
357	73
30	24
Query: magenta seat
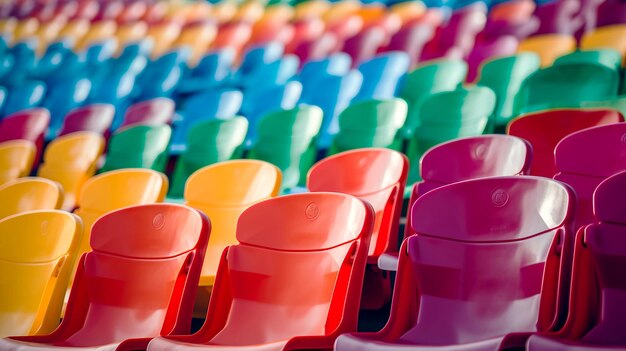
152	112
474	157
485	263
486	49
29	125
411	39
316	49
365	44
611	12
598	300
95	118
559	16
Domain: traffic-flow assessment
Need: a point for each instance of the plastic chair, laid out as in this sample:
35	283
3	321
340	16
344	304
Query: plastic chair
377	176
607	57
157	268
310	267
411	39
465	231
138	147
161	76
71	160
98	31
474	157
209	142
64	96
548	46
232	36
612	37
338	64
365	44
26	96
446	116
213	70
197	36
260	55
223	191
16	159
594	321
425	80
130	32
153	112
511	18
505	77
373	123
381	75
287	140
28	125
486	49
544	130
38	251
96	118
275	73
29	194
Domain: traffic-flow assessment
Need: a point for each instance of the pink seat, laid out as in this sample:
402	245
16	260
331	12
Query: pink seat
411	39
29	125
485	262
365	44
95	118
474	157
377	176
598	295
316	49
294	280
559	16
504	45
586	158
139	281
152	112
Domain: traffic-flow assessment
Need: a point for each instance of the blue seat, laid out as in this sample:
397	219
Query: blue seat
24	58
72	65
260	55
62	97
133	58
213	70
161	77
338	91
274	73
257	103
51	60
338	64
6	65
382	74
116	89
208	105
30	94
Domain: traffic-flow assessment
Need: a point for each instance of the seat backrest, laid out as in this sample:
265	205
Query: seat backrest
37	251
548	46
377	176
16	159
138	146
486	258
306	268
151	256
29	95
29	125
583	162
95	118
381	75
607	57
154	112
433	77
223	191
545	129
29	194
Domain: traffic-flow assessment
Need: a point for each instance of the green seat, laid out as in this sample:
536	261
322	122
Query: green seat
449	115
208	142
287	139
567	85
434	77
617	103
138	147
607	57
505	77
370	123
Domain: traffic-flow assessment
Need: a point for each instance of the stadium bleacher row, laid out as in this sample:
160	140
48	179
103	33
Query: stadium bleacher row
312	175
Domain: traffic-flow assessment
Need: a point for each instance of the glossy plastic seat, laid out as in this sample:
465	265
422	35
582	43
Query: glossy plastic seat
381	75
365	44
16	159
29	194
463	159
161	76
96	118
287	140
233	36
310	268
425	80
197	36
213	70
544	130
151	256
412	40
612	37
138	147
562	16
275	73
548	46
377	176
505	77
208	142
63	96
223	191
486	49
487	260
28	125
26	96
372	123
38	252
446	116
71	160
607	57
338	64
153	112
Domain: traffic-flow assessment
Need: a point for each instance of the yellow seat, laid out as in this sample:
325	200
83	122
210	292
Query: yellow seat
98	32
224	11
408	10
130	32
37	253
313	8
189	12
114	190
198	38
16	159
25	28
613	37
74	30
339	11
48	32
71	160
222	191
29	194
249	12
548	46
163	34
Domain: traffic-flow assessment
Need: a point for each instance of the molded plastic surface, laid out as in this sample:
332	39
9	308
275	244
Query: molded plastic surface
16	159
29	125
606	37
548	46
138	147
152	112
95	118
29	194
382	74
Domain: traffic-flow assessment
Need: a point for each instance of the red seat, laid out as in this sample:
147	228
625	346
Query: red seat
152	112
293	282
139	281
584	159
95	118
545	129
485	262
377	176
464	159
29	125
598	295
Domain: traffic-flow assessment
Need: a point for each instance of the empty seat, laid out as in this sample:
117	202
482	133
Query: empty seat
382	74
28	125
29	194
548	46
16	159
138	147
95	118
154	112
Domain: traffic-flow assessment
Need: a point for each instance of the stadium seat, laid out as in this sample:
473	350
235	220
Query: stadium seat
16	159
607	57
27	95
487	49
606	37
213	70
411	39
381	75
96	118
153	112
560	17
548	46
63	96
28	125
138	147
29	194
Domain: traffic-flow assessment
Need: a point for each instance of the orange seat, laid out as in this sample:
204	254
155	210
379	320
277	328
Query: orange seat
29	194
197	37
608	37
130	32
548	46
98	31
16	159
163	34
